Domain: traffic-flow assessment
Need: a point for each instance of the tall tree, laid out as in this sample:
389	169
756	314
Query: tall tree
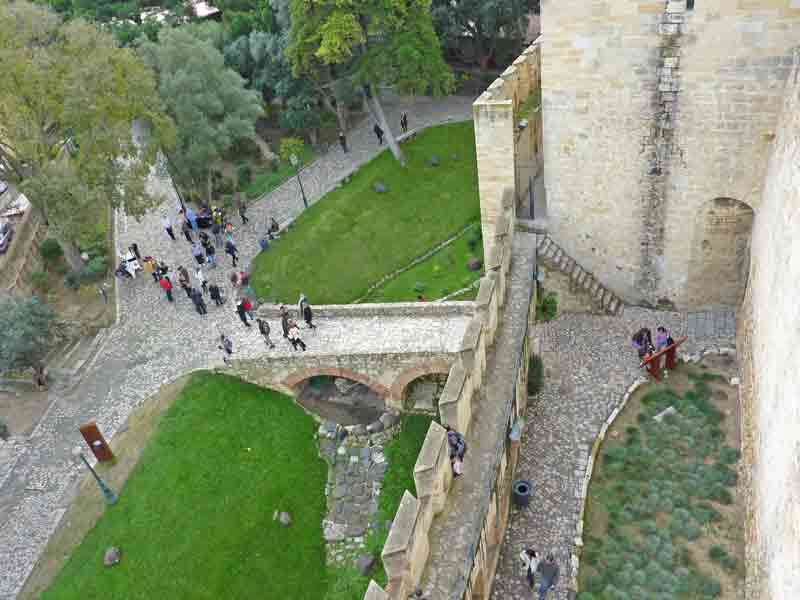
483	22
27	325
376	43
67	108
209	102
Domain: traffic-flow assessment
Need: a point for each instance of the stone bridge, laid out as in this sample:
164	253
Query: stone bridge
383	346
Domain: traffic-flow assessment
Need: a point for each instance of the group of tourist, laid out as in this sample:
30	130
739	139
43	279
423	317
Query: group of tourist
642	341
546	570
377	130
203	250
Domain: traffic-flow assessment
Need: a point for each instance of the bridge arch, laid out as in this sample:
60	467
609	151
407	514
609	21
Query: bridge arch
297	377
405	378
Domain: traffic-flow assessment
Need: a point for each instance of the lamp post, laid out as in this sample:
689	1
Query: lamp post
109	494
296	164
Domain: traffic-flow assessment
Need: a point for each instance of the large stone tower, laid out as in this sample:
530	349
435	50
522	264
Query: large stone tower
658	119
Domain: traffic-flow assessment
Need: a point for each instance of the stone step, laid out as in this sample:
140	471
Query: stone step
555	257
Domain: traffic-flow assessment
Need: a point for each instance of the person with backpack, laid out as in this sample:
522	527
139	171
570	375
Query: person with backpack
226	345
642	341
216	229
230	249
242	313
197	300
216	295
458	448
248	308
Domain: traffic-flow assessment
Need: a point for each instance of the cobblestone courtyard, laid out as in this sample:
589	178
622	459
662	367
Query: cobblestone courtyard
155	342
589	364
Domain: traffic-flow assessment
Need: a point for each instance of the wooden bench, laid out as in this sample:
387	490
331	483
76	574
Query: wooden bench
653	362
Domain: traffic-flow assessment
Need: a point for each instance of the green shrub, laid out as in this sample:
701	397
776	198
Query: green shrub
244	175
39	280
419	287
346	584
474	238
547	308
72	280
51	251
535	375
729	455
95	270
4	433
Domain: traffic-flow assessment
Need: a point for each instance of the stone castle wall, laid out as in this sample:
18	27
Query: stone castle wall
508	156
651	114
769	330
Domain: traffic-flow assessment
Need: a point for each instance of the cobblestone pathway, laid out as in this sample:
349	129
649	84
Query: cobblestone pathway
156	342
589	364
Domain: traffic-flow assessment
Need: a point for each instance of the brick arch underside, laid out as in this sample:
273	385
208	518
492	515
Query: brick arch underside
293	380
432	367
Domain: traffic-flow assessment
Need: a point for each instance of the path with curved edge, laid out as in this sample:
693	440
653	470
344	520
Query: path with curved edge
589	365
155	342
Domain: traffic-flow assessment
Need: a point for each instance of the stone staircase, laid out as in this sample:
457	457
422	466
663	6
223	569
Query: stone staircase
69	363
555	258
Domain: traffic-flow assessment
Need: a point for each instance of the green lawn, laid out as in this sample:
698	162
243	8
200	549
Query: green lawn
443	273
401	453
266	181
195	520
354	236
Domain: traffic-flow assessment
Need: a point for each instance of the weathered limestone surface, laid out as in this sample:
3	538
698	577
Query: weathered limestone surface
606	79
769	331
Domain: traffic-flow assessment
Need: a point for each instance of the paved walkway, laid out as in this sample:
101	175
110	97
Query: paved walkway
156	342
589	365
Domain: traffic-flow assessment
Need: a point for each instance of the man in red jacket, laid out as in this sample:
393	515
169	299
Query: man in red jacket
166	285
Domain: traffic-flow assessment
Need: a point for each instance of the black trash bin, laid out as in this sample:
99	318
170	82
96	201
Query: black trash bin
521	491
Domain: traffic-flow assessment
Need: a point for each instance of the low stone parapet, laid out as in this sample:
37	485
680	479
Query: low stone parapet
393	309
406	551
433	473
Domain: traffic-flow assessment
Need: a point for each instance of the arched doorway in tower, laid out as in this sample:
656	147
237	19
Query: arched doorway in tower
720	261
340	399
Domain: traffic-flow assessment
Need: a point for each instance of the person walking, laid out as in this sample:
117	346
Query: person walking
530	559
230	248
134	248
198	254
243	211
229	229
379	133
242	313
166	285
192	217
167	224
204	239
215	294
404	122
294	336
301	306
308	316
263	328
183	281
285	322
248	307
186	229
642	341
151	267
211	256
197	300
216	229
343	141
226	345
548	569
201	279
